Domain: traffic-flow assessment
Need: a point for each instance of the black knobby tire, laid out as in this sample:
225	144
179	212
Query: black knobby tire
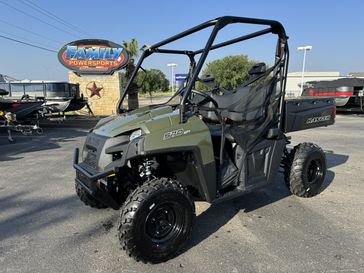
308	170
87	199
156	220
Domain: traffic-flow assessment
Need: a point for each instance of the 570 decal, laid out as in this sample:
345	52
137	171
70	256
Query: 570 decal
175	133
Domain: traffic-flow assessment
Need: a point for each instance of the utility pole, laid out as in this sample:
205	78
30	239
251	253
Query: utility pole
304	49
172	66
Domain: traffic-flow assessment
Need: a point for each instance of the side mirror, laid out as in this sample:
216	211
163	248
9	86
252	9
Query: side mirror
257	69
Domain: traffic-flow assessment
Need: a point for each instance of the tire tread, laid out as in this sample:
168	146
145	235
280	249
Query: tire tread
300	153
131	205
87	199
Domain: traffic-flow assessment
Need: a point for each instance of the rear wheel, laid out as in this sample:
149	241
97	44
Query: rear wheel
87	199
308	170
156	220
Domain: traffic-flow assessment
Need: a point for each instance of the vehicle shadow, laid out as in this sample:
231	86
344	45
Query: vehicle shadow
216	216
38	213
50	139
35	213
333	160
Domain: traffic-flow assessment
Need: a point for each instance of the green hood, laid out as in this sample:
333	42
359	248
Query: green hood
145	118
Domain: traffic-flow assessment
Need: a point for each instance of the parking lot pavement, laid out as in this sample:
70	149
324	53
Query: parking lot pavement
45	228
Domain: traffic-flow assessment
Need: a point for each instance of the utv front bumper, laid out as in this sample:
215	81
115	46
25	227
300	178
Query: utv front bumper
98	163
92	181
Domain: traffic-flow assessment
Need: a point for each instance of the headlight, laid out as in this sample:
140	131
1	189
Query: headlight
135	134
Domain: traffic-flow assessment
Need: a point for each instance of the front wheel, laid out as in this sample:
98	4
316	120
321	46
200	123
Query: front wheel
156	220
88	199
308	170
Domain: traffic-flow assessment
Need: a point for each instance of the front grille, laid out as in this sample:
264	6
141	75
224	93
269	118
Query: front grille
91	158
94	152
92	146
81	176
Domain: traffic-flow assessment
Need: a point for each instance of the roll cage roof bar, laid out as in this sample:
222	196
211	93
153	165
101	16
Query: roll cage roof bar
273	27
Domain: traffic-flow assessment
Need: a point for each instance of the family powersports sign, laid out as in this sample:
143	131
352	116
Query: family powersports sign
93	57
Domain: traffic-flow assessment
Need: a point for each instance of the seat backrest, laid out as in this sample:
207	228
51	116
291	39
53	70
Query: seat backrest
252	105
244	104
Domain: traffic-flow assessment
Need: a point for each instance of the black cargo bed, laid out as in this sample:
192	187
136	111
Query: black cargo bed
305	113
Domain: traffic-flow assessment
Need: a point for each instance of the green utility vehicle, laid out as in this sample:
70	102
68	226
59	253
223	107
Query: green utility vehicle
156	161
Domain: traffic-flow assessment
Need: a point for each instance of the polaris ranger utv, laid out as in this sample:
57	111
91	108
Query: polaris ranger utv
154	162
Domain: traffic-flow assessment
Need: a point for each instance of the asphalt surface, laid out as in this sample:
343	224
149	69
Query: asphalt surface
45	228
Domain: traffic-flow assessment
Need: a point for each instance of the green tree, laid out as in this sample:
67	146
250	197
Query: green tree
132	47
229	72
133	50
153	81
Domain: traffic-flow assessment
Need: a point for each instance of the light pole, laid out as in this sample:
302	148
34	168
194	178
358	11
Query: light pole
172	66
304	49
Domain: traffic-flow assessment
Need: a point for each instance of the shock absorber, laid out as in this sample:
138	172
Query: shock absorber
146	169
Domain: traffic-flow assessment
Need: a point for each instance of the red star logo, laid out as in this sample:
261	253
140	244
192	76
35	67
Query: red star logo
95	90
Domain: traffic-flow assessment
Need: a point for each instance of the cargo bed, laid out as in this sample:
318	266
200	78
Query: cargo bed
306	113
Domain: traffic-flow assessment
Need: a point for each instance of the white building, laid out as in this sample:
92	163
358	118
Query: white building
293	87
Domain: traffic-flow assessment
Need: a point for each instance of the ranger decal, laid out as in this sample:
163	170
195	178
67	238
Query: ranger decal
318	119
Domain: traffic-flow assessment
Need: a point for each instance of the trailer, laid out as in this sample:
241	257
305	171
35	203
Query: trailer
20	115
348	92
59	97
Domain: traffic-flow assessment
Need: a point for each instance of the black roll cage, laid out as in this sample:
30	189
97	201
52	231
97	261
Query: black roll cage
274	27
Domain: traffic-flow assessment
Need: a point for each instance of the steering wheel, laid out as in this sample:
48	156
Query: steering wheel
206	99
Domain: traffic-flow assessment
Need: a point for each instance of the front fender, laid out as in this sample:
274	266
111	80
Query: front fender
205	174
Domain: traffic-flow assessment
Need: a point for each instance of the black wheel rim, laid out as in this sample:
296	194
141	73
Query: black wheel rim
164	222
314	171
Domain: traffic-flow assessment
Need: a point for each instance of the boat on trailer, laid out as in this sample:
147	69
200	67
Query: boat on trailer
348	92
23	108
58	97
20	115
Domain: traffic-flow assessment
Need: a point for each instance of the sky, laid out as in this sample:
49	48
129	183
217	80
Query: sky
333	28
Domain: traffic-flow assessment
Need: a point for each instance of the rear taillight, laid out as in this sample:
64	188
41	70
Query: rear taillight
15	105
334	112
